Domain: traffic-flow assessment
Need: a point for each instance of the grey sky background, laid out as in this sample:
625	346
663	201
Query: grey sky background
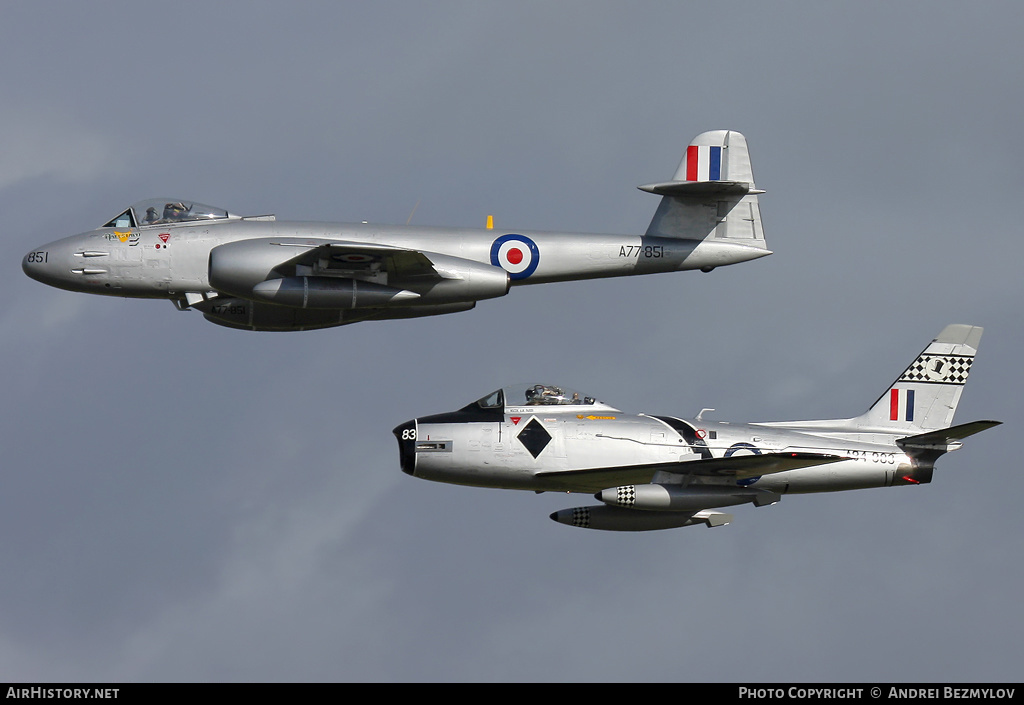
184	502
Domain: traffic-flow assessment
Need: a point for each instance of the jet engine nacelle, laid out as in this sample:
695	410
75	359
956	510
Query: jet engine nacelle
655	497
255	269
237	267
461	280
605	518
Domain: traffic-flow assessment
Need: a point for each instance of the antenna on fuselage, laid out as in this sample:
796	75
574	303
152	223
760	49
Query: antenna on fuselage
413	211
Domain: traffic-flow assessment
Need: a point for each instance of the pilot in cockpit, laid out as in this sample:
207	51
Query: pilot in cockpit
151	216
175	211
543	394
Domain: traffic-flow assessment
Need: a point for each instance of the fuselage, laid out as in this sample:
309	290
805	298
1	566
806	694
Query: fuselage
588	447
261	274
164	261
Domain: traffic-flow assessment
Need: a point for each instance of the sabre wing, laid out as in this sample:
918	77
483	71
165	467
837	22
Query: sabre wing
737	467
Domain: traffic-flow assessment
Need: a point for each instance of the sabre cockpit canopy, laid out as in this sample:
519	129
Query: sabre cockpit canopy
535	395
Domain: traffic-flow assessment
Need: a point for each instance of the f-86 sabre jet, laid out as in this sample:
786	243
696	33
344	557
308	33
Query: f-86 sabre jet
258	273
662	472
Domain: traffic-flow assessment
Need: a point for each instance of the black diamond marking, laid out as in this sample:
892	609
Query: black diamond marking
534	437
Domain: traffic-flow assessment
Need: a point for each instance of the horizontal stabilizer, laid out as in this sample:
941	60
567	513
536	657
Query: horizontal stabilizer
699	189
711	195
943	440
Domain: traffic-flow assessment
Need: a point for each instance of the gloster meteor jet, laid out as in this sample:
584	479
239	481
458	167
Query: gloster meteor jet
661	472
259	273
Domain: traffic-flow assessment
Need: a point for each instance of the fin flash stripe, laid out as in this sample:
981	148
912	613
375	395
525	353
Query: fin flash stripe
703	163
907	397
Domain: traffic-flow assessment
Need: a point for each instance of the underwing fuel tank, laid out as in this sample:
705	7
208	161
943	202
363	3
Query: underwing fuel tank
245	314
605	518
329	292
655	497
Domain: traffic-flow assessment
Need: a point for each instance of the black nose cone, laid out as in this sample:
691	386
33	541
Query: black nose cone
406	435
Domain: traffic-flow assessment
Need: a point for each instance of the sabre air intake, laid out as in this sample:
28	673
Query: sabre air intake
406	436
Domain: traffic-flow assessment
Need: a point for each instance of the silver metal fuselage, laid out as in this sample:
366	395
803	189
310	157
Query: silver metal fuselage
661	472
589	448
261	274
167	261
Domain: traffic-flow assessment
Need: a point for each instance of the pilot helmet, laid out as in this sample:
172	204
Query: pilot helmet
174	210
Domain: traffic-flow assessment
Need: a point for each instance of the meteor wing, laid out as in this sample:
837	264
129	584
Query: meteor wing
297	283
360	260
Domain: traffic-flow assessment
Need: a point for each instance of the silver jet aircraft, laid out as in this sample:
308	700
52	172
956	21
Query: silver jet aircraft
258	273
662	472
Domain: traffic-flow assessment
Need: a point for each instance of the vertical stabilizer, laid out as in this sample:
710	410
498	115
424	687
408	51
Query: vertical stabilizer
925	396
712	194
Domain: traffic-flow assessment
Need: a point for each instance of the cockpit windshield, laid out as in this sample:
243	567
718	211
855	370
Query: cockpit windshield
534	395
550	395
161	211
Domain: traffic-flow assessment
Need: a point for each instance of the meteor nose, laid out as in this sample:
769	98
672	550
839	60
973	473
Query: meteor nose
36	264
406	435
73	263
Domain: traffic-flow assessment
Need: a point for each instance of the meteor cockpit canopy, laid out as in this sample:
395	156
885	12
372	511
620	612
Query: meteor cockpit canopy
161	211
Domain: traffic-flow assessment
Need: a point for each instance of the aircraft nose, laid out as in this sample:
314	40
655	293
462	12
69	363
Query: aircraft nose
406	435
37	265
65	264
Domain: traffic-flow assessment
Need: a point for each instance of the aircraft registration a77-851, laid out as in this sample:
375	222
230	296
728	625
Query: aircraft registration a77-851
258	273
662	472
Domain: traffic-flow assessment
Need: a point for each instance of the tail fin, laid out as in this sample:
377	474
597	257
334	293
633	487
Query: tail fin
712	193
925	396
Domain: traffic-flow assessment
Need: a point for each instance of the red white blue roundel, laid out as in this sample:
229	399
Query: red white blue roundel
516	254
